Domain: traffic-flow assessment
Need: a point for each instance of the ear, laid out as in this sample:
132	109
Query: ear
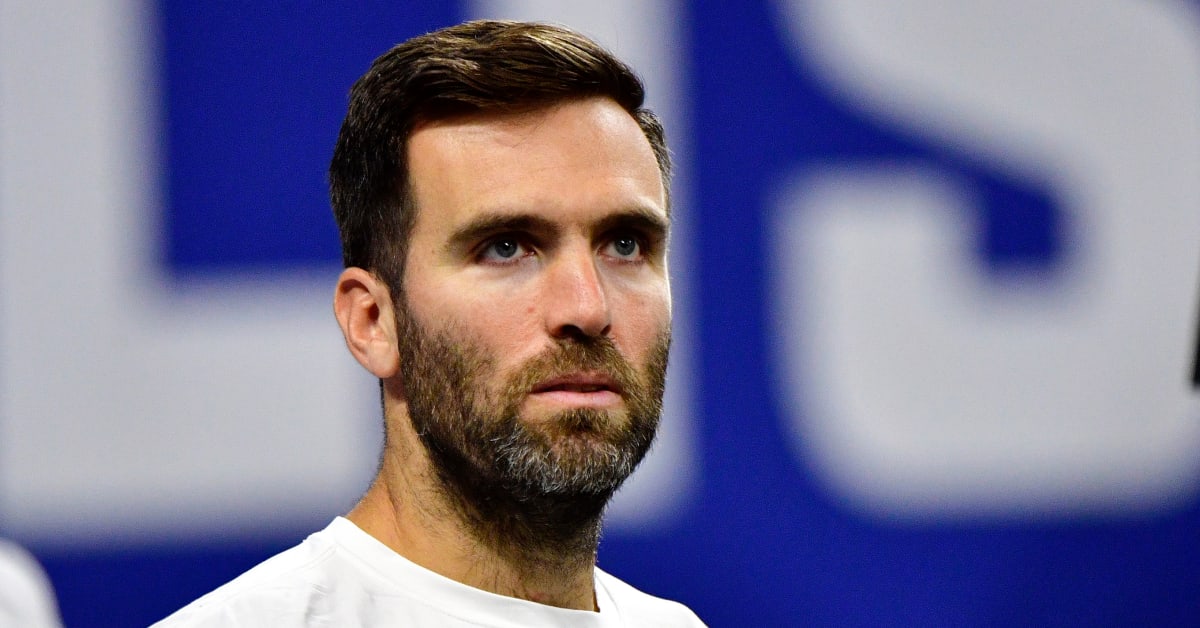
364	310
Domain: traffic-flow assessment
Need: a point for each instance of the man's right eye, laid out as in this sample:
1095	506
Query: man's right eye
503	251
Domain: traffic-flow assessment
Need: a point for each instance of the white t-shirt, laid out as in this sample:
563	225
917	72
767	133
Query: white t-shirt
342	576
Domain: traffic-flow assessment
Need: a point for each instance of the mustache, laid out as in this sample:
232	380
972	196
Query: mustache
598	354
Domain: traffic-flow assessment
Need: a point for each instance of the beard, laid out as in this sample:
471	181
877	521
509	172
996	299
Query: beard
528	487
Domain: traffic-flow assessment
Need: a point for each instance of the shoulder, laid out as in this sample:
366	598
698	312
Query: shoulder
637	608
280	591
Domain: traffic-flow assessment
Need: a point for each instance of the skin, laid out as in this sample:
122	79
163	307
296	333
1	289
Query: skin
532	228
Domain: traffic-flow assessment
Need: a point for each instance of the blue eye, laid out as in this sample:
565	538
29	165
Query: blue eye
625	247
503	250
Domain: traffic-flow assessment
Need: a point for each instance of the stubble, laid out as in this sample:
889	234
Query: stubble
527	489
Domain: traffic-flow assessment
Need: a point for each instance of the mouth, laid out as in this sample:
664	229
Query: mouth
578	382
579	390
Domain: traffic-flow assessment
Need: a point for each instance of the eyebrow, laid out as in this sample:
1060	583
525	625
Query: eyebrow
641	218
489	224
482	226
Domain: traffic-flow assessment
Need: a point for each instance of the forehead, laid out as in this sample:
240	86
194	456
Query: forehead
576	159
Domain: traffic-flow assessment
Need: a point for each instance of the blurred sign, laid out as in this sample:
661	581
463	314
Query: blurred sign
938	380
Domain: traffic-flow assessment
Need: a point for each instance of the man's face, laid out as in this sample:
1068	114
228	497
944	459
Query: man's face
535	316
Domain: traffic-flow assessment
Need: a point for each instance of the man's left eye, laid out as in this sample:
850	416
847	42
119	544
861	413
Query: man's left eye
625	247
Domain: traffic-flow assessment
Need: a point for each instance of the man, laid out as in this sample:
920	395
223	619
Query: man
502	201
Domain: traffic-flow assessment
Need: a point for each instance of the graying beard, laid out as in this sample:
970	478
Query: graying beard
545	470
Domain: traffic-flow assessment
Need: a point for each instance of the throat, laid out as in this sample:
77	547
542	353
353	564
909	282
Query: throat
541	549
535	532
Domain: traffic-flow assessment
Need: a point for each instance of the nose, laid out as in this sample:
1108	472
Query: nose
575	299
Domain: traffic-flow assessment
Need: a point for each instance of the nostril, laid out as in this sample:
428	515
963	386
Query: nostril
576	332
573	332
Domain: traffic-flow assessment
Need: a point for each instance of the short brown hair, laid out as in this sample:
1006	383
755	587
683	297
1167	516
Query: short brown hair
478	66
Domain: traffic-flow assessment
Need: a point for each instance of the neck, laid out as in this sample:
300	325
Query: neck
542	552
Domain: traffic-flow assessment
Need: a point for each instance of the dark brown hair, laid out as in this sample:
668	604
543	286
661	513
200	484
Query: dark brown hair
473	67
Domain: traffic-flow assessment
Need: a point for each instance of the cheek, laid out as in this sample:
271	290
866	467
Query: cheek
646	316
508	332
500	320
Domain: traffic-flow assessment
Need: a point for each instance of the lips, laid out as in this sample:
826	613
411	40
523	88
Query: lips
578	383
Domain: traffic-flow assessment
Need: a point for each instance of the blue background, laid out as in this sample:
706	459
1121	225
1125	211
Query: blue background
253	101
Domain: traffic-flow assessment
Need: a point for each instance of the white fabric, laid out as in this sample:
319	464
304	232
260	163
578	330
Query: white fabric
342	576
26	598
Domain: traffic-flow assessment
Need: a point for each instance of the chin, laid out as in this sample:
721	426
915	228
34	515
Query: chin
582	424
